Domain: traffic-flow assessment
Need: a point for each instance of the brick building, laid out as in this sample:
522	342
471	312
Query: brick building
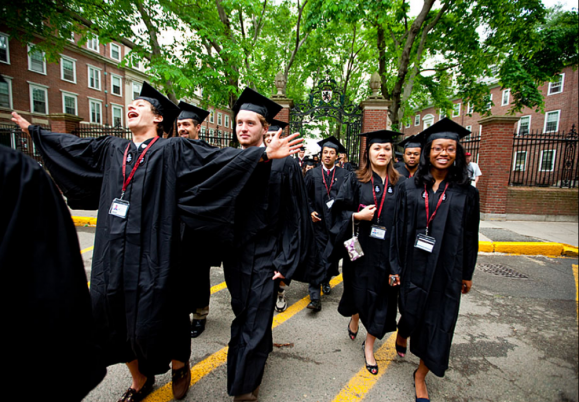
87	85
561	110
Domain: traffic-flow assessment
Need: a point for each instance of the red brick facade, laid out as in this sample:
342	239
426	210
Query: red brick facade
542	201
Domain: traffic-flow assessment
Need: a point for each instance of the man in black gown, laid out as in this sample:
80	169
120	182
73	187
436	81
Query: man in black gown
197	252
412	149
273	242
44	295
322	185
137	286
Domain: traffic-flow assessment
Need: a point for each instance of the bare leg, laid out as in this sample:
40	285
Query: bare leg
420	380
369	349
138	378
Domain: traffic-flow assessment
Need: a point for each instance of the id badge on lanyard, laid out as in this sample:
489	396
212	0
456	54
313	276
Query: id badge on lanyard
119	208
330	203
378	232
424	241
329	189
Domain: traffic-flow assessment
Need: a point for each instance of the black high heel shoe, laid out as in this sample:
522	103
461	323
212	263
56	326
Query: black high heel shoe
352	334
372	369
417	398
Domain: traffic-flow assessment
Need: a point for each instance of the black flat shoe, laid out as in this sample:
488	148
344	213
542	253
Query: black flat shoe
351	333
132	395
372	369
197	327
417	398
326	288
315	305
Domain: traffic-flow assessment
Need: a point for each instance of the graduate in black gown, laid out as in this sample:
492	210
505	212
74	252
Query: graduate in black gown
322	185
142	188
198	252
273	242
46	311
411	156
368	198
434	249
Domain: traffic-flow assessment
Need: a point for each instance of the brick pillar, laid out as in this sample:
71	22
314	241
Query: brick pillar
63	122
495	162
374	117
284	114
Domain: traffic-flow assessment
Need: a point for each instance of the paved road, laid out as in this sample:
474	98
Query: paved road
516	340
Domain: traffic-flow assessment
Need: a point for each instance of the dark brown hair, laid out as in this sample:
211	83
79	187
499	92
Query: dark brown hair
364	173
160	127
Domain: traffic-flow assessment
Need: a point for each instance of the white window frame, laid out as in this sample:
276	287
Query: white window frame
408	122
89	68
489	104
219	119
139	87
519	125
211	132
226	120
120	84
554	151
9	83
442	114
203	130
547	119
73	61
507	93
427	118
211	116
7	48
469	128
98	102
117	107
44	88
550	91
454	110
416	120
91	41
29	48
470	109
515	161
70	95
111	52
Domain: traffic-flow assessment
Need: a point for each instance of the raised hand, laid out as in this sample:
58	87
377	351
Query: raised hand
281	147
22	122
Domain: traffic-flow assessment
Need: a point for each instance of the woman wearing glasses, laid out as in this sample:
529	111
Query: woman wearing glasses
434	249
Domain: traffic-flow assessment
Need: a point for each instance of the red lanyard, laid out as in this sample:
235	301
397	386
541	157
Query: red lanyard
324	178
383	197
126	181
429	219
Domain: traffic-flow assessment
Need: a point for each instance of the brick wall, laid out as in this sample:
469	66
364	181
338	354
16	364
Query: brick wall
542	201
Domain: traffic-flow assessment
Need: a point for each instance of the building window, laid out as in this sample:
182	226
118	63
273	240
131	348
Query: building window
442	114
136	89
115	52
203	130
456	110
69	103
68	69
524	125
469	128
38	99
36	61
506	97
219	119
556	86
408	122
211	132
226	121
520	161
93	44
417	120
547	160
470	109
212	116
427	121
552	121
116	85
94	78
6	93
489	99
117	116
4	49
96	111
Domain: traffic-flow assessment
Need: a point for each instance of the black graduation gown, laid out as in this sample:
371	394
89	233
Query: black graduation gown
366	288
46	310
403	171
137	287
317	199
273	232
431	283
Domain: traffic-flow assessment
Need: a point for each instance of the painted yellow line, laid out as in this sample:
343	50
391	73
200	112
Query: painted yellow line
217	288
576	275
217	359
359	385
86	249
84	221
529	248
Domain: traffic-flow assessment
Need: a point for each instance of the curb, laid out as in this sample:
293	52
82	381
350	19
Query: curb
548	249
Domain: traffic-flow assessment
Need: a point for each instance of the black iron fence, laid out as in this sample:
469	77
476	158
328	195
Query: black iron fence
219	138
12	136
545	159
94	131
471	143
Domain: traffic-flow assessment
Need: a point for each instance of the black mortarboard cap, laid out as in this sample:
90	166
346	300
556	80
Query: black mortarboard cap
189	111
445	129
255	102
164	105
276	125
414	141
380	137
332	142
308	160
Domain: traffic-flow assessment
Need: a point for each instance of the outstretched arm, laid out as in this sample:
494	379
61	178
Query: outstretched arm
279	148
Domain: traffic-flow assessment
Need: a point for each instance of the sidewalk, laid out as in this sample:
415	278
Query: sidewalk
510	237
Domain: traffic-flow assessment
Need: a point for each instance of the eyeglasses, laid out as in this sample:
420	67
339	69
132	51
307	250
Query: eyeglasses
438	149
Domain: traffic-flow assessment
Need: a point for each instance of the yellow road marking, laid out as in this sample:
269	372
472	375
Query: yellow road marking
217	288
86	249
576	275
217	359
359	386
